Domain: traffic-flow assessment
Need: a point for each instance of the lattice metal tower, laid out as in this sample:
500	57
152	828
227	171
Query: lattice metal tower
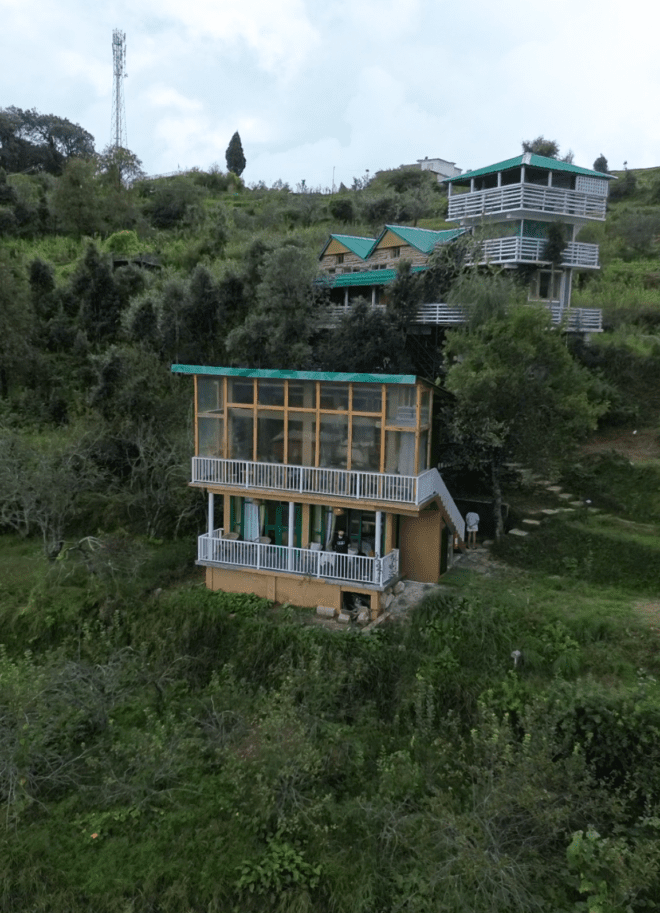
119	138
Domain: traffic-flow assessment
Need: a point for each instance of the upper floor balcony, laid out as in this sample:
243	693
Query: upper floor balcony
526	199
532	250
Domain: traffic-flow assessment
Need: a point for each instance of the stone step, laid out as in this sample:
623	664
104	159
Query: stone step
530	522
518	532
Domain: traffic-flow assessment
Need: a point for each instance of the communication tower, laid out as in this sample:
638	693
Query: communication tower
119	138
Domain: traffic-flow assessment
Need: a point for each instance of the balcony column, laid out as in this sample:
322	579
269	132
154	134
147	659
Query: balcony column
346	297
211	513
379	527
292	532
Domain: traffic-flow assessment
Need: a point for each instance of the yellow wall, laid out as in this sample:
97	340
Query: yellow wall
300	591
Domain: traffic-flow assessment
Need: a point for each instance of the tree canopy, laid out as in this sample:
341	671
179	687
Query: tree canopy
547	147
30	140
235	156
519	394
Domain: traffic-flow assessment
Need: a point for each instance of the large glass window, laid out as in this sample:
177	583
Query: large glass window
401	405
209	432
302	439
333	441
367	398
400	452
334	396
365	444
209	394
241	425
270	392
302	394
270	436
240	390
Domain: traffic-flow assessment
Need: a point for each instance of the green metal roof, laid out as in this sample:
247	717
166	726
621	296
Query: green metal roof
536	161
361	247
299	375
368	277
423	239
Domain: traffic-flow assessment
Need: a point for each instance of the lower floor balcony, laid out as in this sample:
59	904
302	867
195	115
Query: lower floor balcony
215	549
517	250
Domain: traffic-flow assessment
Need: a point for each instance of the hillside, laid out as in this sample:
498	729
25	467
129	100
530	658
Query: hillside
165	748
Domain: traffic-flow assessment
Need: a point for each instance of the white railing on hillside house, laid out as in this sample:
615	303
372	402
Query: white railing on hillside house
527	197
578	320
305	562
532	250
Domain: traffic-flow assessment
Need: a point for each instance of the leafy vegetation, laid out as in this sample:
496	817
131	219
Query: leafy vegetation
163	747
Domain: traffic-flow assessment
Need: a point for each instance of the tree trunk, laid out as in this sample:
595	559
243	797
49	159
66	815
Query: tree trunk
495	469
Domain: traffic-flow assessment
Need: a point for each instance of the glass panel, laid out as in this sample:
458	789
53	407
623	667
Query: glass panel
334	396
400	452
240	390
302	439
270	437
333	441
209	394
367	398
423	449
302	394
210	437
365	445
240	428
425	414
270	392
401	406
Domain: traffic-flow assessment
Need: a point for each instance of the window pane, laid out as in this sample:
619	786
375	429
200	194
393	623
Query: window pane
302	439
401	406
333	441
209	431
400	452
334	396
240	390
365	445
240	428
426	404
302	394
209	394
270	437
367	398
270	392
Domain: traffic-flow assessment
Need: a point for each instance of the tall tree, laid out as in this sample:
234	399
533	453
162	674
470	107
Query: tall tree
601	164
519	395
235	156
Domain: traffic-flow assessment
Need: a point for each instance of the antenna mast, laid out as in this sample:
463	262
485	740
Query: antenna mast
119	139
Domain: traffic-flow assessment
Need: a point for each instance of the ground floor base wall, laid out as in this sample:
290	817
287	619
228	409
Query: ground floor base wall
298	591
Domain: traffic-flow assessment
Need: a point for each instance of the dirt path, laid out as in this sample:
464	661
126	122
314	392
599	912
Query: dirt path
637	446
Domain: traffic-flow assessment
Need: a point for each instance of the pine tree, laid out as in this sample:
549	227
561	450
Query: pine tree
235	156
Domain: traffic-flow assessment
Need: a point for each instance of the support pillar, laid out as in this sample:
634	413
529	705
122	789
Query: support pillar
292	533
211	513
379	528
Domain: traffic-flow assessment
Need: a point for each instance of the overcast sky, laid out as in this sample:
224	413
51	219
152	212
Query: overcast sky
317	87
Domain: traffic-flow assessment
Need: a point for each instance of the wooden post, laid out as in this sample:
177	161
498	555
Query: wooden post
292	533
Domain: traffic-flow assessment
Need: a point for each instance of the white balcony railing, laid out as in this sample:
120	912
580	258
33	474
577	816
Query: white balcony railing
305	562
532	250
574	319
334	483
526	197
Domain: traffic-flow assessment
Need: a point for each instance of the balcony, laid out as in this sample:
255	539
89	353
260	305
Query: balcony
353	485
526	199
304	562
532	250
